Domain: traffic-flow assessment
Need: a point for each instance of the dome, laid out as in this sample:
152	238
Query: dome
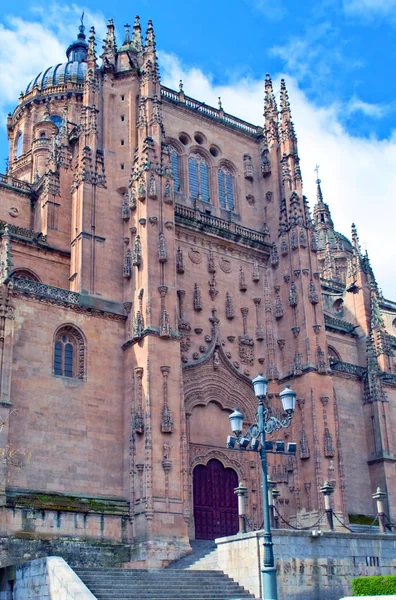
73	70
59	75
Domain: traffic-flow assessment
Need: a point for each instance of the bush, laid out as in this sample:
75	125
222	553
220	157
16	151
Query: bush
384	585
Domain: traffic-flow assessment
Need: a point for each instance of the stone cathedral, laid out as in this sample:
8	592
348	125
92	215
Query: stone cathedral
156	254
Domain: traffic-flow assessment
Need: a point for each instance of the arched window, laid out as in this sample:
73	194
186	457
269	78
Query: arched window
18	145
69	352
198	177
25	274
175	167
333	355
226	188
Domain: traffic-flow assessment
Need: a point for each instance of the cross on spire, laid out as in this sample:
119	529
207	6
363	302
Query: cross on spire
316	169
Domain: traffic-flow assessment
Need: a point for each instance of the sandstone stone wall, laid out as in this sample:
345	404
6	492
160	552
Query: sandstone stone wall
308	568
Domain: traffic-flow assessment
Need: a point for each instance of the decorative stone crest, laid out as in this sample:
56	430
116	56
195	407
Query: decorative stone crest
195	256
225	265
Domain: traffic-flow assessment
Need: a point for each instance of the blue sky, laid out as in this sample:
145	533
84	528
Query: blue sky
338	57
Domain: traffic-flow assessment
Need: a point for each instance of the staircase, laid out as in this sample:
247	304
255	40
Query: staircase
202	558
165	584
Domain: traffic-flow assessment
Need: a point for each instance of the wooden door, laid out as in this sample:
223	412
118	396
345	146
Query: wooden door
215	504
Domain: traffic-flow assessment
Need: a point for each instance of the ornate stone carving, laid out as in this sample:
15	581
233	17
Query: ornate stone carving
294	239
165	329
329	450
297	364
137	252
274	258
304	446
265	163
255	271
162	252
313	242
152	193
293	296
197	300
179	261
138	420
246	344
166	422
250	199
269	196
313	294
141	193
284	247
211	262
229	307
126	213
248	169
260	335
303	239
128	264
320	360
242	280
182	323
278	303
213	291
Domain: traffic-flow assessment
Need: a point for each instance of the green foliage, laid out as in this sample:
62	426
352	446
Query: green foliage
384	585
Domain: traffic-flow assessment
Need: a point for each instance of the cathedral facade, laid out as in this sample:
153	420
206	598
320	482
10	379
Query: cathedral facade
156	254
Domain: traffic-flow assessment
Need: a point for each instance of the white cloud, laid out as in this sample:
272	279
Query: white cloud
370	8
377	111
29	47
358	174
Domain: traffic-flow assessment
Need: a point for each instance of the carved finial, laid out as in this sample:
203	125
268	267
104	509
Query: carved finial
150	36
181	90
91	45
137	42
127	39
319	195
355	238
284	98
220	104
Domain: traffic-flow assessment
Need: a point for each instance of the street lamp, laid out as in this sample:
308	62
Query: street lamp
255	437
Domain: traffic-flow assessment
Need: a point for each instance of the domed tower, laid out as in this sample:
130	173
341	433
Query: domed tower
39	116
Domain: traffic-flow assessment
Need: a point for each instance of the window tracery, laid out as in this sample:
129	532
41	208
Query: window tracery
226	188
198	177
69	353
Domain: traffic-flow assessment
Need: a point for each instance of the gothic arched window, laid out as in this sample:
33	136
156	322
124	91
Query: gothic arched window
198	177
25	274
19	145
69	352
226	188
334	356
175	168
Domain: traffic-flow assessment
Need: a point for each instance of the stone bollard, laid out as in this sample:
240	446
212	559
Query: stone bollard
327	489
380	496
241	492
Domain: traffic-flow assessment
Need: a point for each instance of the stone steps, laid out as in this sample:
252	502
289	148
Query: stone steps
203	557
164	584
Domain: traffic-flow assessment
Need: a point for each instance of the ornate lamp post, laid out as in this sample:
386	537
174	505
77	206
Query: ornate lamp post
255	436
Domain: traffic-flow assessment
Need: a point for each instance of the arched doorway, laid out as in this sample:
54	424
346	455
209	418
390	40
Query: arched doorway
215	504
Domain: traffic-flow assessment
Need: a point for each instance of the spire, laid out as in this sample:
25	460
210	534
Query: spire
270	112
321	211
77	51
91	55
150	64
150	37
137	42
127	39
355	239
286	126
109	47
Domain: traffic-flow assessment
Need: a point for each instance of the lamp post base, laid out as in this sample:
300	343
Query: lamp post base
268	583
